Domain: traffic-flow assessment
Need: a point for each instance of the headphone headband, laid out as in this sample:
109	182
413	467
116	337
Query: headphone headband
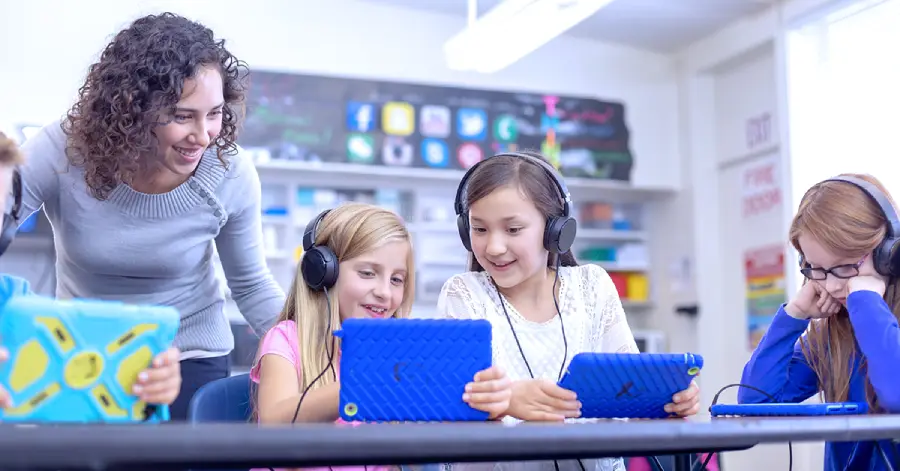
311	230
885	256
559	232
459	205
880	199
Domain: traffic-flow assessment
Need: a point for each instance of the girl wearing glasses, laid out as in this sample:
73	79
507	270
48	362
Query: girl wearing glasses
838	337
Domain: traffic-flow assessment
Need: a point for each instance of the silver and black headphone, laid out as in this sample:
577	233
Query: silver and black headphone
11	218
886	257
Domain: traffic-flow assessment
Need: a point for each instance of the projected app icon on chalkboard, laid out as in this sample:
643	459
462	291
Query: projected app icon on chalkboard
434	121
471	124
360	116
360	148
396	152
435	153
506	128
469	154
397	118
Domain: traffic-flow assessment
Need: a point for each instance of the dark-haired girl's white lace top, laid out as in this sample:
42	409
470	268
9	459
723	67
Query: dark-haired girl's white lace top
594	322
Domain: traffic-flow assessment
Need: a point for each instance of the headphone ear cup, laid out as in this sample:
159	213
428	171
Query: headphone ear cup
462	225
319	268
887	258
7	232
559	235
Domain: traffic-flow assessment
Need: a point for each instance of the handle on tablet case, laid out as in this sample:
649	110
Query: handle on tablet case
694	366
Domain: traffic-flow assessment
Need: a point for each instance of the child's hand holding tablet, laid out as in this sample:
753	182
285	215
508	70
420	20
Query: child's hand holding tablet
542	400
490	392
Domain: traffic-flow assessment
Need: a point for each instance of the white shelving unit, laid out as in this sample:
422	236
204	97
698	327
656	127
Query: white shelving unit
428	209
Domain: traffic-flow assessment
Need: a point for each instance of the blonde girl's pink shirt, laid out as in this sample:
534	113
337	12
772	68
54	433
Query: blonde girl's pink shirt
281	340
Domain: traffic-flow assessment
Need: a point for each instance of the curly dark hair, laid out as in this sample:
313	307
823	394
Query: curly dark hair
140	75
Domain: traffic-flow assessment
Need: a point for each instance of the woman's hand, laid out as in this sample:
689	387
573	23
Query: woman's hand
5	400
812	302
161	383
868	279
490	392
685	403
542	400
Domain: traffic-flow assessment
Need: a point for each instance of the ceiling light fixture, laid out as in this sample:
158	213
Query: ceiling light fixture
512	30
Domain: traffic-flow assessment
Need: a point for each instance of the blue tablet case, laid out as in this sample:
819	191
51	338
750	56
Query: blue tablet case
77	360
788	410
411	370
629	385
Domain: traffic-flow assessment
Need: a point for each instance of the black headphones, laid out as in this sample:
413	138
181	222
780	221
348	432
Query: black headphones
885	256
11	219
559	233
319	265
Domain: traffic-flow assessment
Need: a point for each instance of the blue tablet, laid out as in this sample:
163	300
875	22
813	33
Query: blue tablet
788	410
77	360
411	370
629	385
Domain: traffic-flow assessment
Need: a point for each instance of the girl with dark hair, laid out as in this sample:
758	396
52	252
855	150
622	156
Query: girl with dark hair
839	336
543	306
142	181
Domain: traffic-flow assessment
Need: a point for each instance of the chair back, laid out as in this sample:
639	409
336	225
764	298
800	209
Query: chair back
223	400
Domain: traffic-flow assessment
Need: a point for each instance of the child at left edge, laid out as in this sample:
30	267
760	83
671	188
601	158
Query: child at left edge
160	383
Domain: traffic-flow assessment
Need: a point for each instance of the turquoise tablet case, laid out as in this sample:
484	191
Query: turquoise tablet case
629	385
77	360
411	370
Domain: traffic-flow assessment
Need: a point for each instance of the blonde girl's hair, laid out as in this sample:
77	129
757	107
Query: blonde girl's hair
847	222
10	155
350	230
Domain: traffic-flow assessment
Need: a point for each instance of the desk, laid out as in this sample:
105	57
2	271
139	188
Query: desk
173	446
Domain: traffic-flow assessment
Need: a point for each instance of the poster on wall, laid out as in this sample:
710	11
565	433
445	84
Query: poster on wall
765	288
340	120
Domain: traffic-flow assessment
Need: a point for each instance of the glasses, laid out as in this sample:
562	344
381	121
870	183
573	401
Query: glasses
841	271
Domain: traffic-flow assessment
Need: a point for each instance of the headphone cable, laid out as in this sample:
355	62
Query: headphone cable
562	326
330	355
884	456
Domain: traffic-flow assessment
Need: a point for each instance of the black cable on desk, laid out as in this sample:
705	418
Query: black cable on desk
716	400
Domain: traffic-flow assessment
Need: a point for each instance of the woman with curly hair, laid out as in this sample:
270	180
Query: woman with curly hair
160	383
142	179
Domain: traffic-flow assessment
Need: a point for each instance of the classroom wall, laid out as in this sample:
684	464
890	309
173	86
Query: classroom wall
338	37
364	39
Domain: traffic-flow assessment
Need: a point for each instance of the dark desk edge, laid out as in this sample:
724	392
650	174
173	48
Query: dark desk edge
223	445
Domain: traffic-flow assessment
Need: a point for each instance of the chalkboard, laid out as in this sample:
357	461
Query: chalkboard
341	120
